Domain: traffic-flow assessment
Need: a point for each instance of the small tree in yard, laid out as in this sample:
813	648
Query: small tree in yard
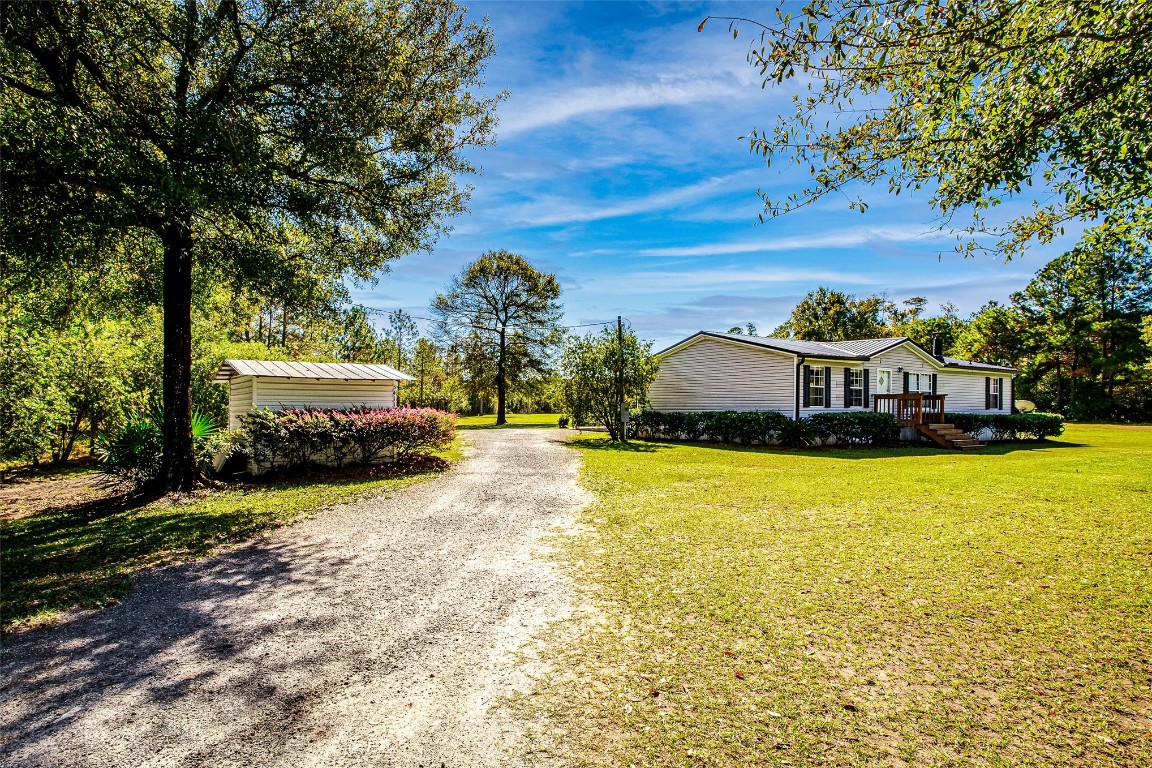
593	366
510	310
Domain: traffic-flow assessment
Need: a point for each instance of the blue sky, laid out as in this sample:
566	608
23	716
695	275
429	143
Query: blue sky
618	167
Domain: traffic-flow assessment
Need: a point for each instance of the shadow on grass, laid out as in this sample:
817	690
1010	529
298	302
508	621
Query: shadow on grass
635	446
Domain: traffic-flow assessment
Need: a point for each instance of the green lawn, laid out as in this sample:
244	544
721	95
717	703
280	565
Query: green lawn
86	557
906	607
514	420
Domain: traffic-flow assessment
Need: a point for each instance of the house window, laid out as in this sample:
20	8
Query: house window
855	388
816	388
920	382
994	394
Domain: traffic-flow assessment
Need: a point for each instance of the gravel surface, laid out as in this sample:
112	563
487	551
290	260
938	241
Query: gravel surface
379	633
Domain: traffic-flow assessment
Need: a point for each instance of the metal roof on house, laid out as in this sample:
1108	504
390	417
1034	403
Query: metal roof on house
856	349
292	370
952	362
790	346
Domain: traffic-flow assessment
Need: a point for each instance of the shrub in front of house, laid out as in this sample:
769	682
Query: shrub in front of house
279	440
1009	426
769	427
855	427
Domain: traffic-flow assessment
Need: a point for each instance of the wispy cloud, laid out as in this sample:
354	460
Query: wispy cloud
538	111
551	210
845	238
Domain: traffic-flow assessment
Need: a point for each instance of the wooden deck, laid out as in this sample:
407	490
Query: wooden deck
925	414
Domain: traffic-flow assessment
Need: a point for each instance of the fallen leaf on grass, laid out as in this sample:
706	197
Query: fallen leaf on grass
850	706
774	713
728	653
740	674
653	692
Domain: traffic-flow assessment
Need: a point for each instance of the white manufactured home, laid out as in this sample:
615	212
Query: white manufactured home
721	371
278	385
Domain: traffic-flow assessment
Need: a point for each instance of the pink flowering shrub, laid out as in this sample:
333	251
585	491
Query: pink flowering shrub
300	436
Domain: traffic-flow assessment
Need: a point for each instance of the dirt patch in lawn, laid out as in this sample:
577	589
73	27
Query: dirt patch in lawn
33	493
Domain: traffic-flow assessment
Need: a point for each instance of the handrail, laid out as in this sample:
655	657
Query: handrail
911	408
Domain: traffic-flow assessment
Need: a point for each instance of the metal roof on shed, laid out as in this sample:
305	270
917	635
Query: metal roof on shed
284	369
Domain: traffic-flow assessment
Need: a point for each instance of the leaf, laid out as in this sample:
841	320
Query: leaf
701	27
739	675
728	653
653	692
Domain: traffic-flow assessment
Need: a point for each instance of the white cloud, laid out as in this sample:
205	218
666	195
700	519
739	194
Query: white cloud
550	211
846	238
539	111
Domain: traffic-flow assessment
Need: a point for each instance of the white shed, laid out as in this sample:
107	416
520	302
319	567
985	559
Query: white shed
277	384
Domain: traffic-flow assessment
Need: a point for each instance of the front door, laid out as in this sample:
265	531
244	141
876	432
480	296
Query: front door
883	382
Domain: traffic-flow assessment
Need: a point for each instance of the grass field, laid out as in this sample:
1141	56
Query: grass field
85	555
906	607
514	420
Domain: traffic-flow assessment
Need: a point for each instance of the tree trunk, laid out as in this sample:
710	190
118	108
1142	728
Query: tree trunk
501	384
178	471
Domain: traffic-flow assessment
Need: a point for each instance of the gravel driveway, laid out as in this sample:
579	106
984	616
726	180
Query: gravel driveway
379	633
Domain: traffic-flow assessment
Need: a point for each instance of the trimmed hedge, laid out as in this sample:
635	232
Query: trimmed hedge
770	427
302	436
1010	426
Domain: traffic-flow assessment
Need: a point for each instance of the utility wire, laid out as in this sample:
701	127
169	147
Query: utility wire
478	327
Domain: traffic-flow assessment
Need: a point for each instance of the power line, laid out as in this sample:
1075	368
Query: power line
477	327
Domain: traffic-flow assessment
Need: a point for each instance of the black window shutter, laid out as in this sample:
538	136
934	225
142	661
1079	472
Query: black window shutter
865	403
987	393
906	376
807	385
1000	395
933	383
827	386
1012	395
847	387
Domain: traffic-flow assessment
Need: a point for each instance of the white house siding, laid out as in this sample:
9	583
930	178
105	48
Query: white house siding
239	399
281	393
965	391
714	375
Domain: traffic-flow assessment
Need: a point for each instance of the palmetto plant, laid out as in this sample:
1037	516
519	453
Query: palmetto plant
132	457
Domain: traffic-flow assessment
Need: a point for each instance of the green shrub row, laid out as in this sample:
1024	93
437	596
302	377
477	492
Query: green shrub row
1010	426
769	427
278	440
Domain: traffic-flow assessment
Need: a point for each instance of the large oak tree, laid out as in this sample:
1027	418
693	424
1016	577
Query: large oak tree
242	137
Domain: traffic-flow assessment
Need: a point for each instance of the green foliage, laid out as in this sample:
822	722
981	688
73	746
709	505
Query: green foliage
974	101
598	368
131	457
502	316
289	439
57	384
1010	427
564	421
855	428
828	315
770	427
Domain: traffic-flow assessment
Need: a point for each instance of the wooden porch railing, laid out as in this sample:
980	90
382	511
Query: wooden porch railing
912	409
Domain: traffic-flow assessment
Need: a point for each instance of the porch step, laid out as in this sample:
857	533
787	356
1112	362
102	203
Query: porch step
948	436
